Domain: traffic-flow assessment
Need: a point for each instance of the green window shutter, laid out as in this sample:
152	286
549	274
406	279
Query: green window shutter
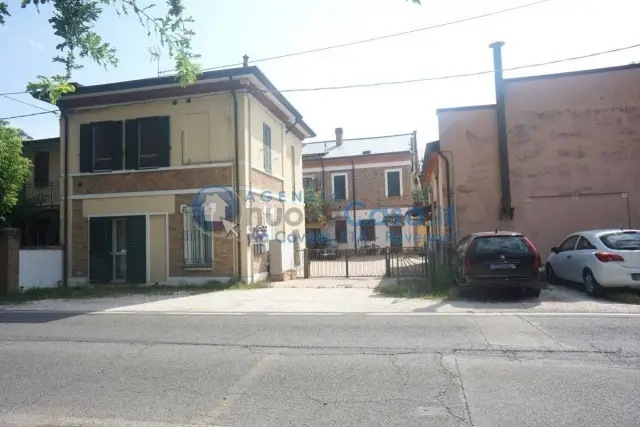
131	136
164	141
86	147
116	138
136	249
266	139
100	258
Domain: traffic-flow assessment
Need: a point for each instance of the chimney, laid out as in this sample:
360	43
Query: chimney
506	210
245	60
339	133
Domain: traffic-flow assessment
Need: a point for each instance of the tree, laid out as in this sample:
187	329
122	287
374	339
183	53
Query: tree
74	21
315	207
14	168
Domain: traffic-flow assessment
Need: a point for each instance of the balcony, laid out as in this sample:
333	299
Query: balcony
421	196
42	194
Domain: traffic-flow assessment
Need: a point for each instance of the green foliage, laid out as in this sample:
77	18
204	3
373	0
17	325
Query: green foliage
14	168
315	207
74	22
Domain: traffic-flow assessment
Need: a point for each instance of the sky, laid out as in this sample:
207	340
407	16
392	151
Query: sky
228	29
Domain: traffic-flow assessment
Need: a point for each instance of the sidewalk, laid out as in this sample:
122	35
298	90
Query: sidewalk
323	301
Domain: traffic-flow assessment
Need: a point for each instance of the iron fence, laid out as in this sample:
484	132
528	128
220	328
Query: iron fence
42	194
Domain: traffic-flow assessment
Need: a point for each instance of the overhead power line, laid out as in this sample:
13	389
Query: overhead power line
425	79
27	103
27	115
14	93
452	76
403	33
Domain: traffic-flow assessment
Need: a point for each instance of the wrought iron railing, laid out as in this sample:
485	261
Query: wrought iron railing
42	194
421	196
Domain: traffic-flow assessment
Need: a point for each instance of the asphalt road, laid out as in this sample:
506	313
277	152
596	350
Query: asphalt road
319	370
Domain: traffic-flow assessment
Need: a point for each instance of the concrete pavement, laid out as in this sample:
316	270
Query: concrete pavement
142	369
361	299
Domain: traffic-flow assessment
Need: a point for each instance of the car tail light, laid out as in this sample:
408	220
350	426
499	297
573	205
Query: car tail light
467	258
607	257
537	261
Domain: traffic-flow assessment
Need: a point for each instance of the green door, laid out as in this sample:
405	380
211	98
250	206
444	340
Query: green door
118	250
136	249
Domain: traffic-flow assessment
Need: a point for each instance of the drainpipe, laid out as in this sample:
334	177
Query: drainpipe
454	233
237	178
353	186
506	211
448	178
65	245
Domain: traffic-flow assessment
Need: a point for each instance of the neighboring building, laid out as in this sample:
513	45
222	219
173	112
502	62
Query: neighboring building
139	153
369	183
564	158
39	221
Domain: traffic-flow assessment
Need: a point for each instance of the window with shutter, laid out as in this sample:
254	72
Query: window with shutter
367	230
393	183
266	139
41	168
341	231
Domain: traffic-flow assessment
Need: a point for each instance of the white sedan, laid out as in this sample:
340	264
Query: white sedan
598	259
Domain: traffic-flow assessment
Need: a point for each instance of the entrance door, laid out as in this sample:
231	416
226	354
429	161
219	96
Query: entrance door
395	237
117	250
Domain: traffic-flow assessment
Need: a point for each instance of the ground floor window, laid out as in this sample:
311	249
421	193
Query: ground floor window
198	241
367	230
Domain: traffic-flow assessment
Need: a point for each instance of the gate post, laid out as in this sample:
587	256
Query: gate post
346	260
307	264
387	262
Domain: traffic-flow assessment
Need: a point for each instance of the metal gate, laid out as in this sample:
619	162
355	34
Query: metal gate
408	263
366	262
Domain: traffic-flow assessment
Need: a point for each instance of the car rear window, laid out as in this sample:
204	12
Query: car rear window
511	244
624	240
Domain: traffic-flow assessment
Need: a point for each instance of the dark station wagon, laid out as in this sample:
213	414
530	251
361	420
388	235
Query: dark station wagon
498	259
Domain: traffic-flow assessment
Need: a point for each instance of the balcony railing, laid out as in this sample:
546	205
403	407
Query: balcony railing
421	196
43	194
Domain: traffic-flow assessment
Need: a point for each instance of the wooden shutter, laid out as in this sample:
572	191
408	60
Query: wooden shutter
41	167
115	132
164	141
136	249
100	258
341	231
86	147
131	137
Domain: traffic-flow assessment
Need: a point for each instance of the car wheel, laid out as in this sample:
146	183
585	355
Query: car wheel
551	275
591	285
532	293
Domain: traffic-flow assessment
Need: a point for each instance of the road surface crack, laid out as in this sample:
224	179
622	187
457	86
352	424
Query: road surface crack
536	327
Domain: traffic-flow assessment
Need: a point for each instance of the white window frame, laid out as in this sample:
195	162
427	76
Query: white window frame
188	225
346	184
386	181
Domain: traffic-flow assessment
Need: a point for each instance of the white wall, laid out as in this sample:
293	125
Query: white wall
40	268
382	238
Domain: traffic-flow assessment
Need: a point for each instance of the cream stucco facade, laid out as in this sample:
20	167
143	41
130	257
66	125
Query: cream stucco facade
202	153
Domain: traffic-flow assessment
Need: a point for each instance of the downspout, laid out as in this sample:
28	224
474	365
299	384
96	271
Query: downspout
506	211
448	178
454	203
353	186
65	246
237	178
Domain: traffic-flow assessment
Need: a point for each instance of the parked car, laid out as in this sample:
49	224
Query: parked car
597	259
328	249
501	259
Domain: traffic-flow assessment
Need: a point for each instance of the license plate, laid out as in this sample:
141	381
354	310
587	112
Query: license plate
502	266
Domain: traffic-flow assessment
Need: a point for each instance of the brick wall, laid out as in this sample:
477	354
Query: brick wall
369	187
264	181
223	248
80	241
150	181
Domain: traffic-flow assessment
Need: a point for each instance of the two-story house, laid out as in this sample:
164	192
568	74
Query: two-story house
143	159
39	217
369	183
